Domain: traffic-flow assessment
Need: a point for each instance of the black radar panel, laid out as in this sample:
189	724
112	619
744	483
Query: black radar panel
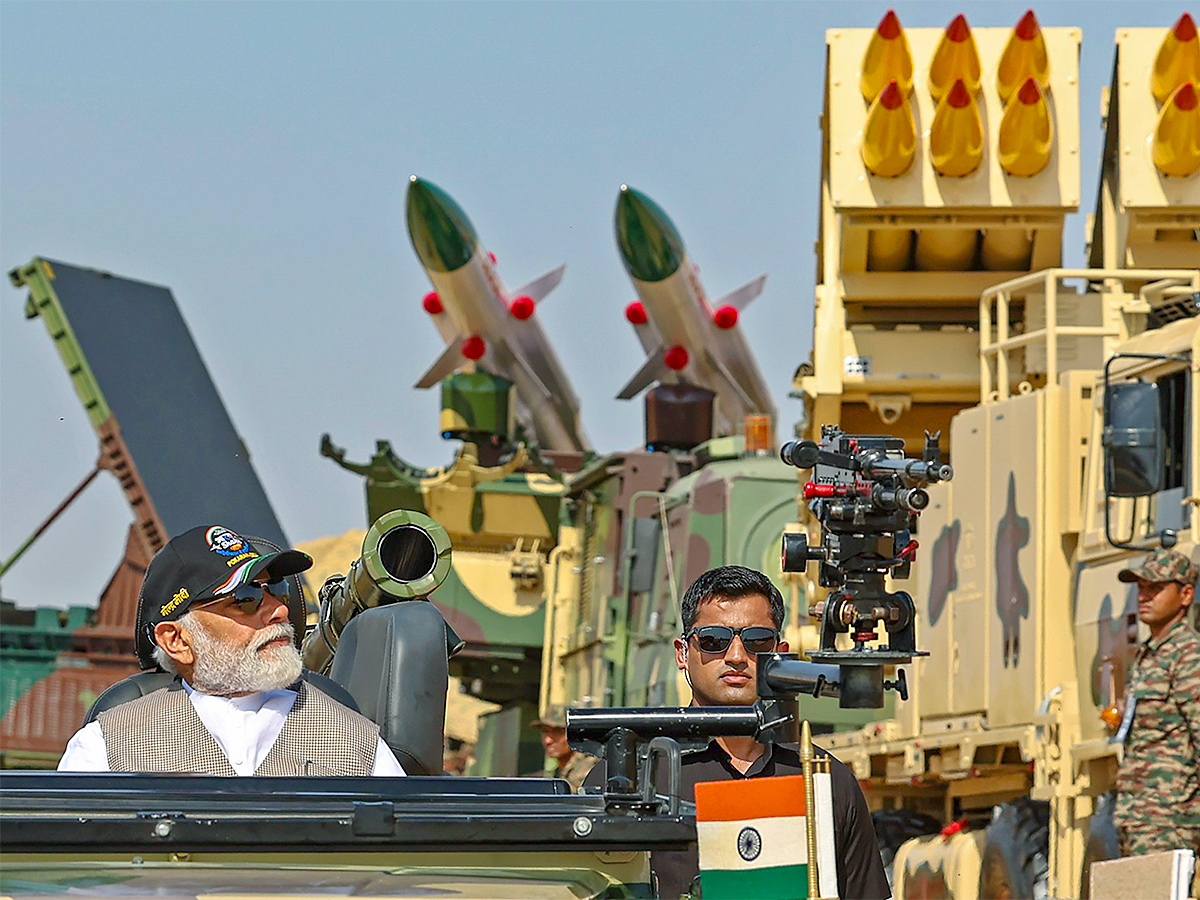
178	432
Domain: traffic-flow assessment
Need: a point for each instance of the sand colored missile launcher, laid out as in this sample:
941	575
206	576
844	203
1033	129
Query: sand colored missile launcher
931	191
1006	744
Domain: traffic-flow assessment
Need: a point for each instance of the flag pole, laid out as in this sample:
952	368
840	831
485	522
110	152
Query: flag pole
810	807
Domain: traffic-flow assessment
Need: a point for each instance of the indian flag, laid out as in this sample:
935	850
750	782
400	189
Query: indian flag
753	839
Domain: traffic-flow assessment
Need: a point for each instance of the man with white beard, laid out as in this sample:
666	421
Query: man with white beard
217	614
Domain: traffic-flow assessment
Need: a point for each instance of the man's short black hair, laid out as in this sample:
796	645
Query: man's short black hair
730	582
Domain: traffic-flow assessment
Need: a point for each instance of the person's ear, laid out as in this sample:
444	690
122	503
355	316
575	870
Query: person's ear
782	647
680	653
170	636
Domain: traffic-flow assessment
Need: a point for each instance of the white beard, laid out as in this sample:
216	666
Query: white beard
223	670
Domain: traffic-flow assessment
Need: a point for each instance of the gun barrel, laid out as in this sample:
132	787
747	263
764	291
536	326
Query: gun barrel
405	556
680	722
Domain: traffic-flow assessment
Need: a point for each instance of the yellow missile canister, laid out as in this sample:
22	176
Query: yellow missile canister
1026	131
887	59
890	134
956	58
1178	59
1176	145
1024	57
956	135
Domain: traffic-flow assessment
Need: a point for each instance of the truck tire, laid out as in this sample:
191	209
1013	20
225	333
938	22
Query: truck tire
895	826
1016	852
1103	842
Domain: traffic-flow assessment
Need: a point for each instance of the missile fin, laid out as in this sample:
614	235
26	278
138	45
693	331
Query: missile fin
729	377
541	286
740	298
653	369
449	360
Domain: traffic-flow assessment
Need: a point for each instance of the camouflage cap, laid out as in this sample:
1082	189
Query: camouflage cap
1162	565
555	716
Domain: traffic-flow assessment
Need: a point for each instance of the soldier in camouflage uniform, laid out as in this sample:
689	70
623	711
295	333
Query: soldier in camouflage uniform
1158	783
569	764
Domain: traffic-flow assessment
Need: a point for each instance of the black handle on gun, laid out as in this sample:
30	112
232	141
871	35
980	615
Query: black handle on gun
622	735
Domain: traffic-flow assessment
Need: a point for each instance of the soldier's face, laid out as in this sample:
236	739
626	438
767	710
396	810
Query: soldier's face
1160	603
554	742
729	678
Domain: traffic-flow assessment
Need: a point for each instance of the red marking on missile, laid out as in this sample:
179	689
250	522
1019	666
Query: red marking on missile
889	26
432	303
958	30
676	358
959	96
635	313
726	317
1028	28
1185	28
474	347
492	257
522	308
1185	97
812	489
1030	93
892	96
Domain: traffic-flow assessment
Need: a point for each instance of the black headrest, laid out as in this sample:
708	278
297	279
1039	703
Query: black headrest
297	613
147	682
393	661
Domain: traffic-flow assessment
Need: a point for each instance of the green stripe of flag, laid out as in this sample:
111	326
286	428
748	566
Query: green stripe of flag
771	883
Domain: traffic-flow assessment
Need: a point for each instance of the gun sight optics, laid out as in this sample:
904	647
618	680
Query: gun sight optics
866	495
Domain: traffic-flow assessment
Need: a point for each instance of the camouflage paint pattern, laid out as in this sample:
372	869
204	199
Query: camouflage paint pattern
1012	596
477	404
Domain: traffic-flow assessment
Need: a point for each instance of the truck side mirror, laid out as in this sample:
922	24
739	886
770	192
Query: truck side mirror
1133	439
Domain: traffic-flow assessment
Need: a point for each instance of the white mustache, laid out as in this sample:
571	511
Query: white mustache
274	632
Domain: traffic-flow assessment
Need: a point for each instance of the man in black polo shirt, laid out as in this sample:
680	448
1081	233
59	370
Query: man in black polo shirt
730	613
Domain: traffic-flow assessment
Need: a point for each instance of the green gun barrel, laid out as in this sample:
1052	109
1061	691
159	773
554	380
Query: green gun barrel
405	556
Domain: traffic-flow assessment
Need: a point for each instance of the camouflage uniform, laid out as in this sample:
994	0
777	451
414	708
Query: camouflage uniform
1158	782
578	765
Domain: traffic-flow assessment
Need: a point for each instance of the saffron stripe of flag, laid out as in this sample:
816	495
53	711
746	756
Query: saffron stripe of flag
752	838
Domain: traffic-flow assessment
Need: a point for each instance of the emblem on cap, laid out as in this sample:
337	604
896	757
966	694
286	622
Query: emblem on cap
222	541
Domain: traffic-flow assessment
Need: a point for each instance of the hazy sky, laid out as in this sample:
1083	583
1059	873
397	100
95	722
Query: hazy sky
253	157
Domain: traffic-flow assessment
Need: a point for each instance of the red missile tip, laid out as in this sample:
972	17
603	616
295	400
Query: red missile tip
891	96
1027	29
1029	93
958	29
432	303
889	26
474	347
726	317
676	358
492	257
1185	28
635	313
959	96
1185	96
522	308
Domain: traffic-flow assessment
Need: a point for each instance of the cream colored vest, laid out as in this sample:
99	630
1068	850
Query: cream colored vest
162	733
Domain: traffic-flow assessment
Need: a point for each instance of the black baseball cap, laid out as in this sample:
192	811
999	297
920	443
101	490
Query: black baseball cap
206	562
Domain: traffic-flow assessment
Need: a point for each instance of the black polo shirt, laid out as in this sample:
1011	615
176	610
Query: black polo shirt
860	868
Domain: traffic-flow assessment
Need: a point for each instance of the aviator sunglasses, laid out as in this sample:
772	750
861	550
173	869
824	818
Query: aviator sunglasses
717	638
248	598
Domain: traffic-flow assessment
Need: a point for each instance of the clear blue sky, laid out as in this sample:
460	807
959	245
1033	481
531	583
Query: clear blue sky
253	157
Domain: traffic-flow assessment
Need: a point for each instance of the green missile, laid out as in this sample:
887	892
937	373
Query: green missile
651	247
440	231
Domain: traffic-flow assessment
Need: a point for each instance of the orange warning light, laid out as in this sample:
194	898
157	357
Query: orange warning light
1178	59
956	58
1026	131
956	135
1176	145
887	59
1024	57
890	134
